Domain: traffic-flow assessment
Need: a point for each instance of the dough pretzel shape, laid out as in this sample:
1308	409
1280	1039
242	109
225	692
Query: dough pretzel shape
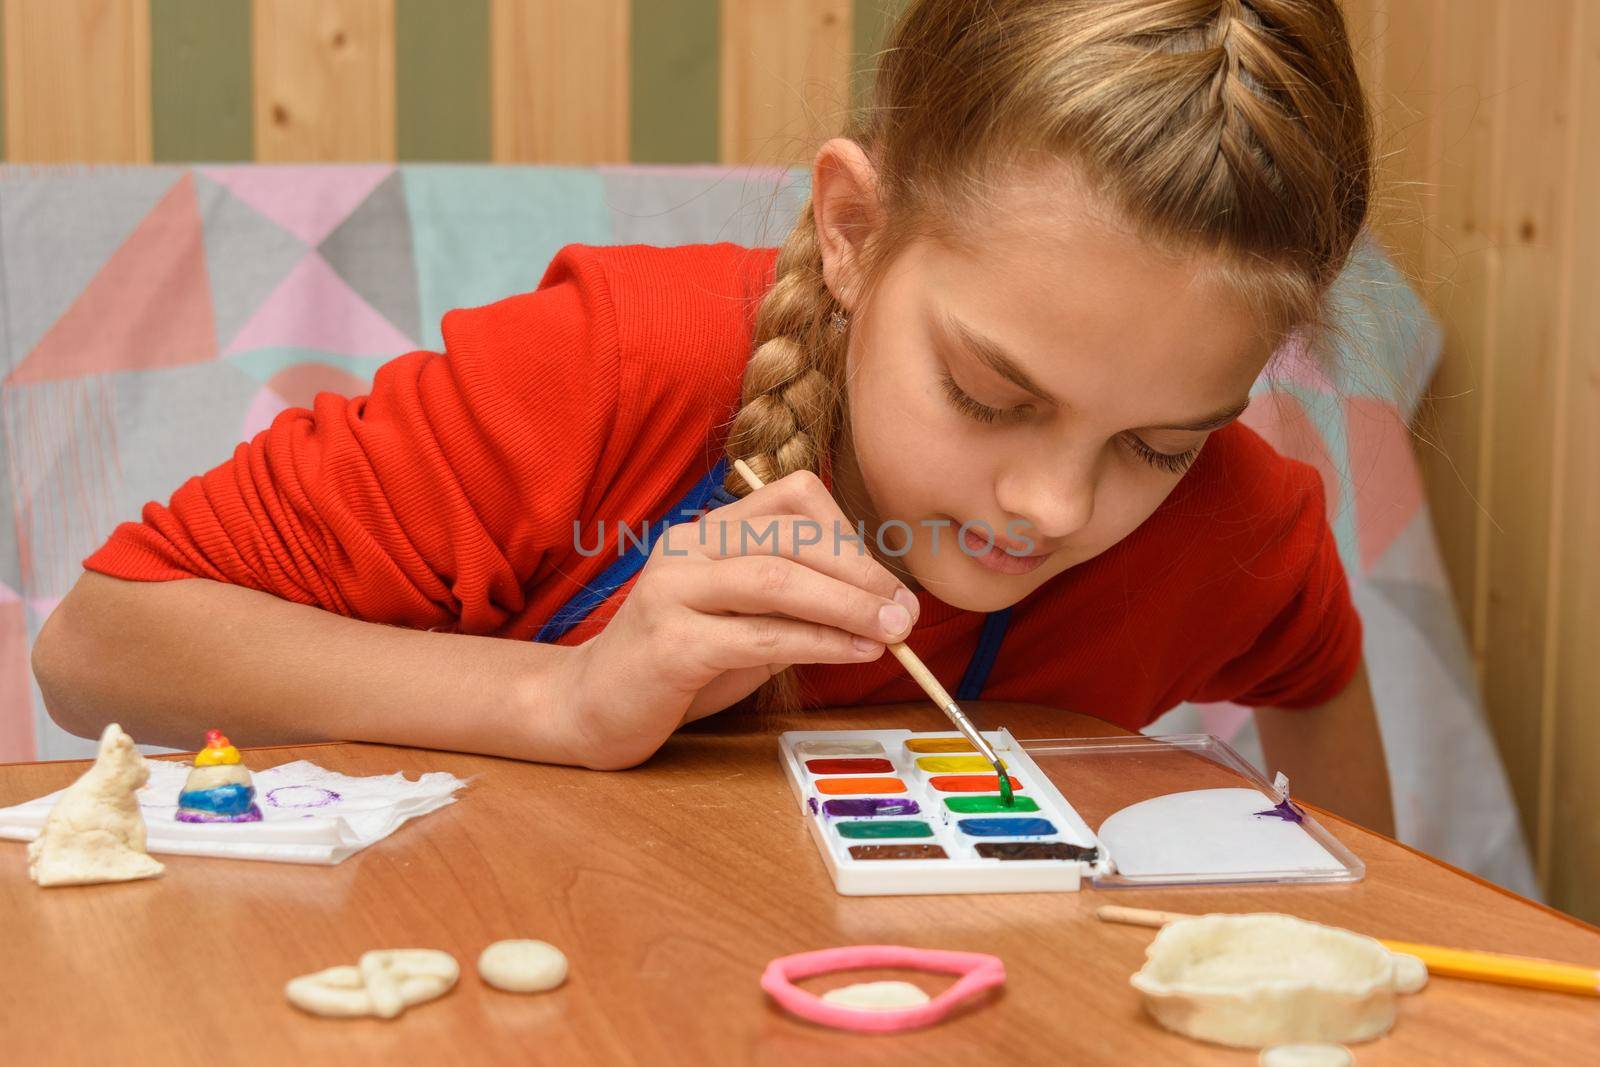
385	982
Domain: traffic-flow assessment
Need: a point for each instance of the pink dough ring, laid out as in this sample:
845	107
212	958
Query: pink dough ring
978	971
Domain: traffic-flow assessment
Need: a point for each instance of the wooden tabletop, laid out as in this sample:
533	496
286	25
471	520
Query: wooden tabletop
670	887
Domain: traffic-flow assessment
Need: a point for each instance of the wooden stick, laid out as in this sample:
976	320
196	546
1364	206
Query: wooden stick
1116	913
1525	971
924	677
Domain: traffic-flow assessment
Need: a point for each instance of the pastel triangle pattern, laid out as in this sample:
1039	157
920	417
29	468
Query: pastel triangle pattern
372	251
1383	474
247	255
307	201
148	306
61	224
315	308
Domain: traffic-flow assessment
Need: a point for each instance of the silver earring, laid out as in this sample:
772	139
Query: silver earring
839	322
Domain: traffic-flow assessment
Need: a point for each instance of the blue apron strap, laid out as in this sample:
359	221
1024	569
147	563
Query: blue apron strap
706	495
983	657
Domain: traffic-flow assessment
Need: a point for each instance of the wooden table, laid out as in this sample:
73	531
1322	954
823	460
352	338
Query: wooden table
670	887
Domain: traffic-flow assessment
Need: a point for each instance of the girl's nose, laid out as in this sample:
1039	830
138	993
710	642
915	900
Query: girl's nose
1055	501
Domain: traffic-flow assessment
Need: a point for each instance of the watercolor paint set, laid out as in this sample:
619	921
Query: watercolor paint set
899	812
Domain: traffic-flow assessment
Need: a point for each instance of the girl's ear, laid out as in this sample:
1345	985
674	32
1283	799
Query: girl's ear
847	213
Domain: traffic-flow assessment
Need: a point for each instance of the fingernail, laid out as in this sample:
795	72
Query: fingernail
908	600
863	644
894	619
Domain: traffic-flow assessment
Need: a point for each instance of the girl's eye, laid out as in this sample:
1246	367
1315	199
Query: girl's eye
976	409
1171	462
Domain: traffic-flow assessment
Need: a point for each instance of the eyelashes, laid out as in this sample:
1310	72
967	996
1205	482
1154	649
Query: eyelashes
967	405
1170	462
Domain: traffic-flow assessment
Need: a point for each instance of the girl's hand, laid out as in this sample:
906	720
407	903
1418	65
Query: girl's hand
725	603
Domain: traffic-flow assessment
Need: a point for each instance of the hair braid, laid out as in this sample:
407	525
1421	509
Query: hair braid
791	406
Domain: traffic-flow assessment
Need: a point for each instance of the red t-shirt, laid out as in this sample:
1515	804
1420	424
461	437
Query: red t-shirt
446	499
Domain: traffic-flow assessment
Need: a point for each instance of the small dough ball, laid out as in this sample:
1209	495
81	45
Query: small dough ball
1307	1056
1410	973
877	996
519	966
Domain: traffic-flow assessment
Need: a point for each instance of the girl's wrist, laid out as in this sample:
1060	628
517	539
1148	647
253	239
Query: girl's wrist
558	718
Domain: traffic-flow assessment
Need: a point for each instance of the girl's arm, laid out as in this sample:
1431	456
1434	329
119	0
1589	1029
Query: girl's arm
1333	754
166	659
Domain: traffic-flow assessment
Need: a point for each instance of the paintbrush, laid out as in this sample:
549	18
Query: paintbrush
1450	962
930	685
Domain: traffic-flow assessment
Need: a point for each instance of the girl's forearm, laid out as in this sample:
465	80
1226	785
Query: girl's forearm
1333	755
169	659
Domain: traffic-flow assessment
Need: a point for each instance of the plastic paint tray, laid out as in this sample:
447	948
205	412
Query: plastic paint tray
898	812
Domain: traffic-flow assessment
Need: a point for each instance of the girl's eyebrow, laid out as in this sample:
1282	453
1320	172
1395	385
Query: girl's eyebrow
995	356
1210	422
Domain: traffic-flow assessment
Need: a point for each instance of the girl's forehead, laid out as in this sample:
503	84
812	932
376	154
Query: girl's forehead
1075	300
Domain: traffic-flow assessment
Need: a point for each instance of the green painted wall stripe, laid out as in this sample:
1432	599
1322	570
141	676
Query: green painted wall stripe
674	81
200	91
441	70
869	30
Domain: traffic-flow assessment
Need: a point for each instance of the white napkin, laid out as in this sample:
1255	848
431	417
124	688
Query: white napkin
308	814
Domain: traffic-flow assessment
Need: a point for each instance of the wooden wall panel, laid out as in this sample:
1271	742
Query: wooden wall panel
442	80
560	80
785	77
1515	485
871	23
1573	775
672	101
1461	272
200	81
1489	112
77	81
324	80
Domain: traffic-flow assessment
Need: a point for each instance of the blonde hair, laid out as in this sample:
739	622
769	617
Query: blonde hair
1235	128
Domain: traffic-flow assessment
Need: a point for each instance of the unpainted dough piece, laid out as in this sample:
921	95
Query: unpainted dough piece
522	966
95	832
1307	1056
1410	973
1260	981
877	996
384	983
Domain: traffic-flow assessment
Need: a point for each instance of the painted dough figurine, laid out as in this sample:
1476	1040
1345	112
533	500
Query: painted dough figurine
219	788
95	832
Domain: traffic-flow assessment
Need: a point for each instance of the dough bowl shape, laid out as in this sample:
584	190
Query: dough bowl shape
1254	981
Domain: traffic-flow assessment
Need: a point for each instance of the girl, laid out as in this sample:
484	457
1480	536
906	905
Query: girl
991	377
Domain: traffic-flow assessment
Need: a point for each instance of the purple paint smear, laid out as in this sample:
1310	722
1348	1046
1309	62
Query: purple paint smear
301	796
189	815
859	807
1286	810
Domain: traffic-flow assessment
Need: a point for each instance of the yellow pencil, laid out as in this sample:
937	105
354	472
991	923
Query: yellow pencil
1525	971
1507	970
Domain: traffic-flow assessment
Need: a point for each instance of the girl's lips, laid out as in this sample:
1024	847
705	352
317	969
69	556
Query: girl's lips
996	557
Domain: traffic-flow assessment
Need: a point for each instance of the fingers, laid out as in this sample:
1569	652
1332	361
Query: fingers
799	498
763	585
831	546
736	642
